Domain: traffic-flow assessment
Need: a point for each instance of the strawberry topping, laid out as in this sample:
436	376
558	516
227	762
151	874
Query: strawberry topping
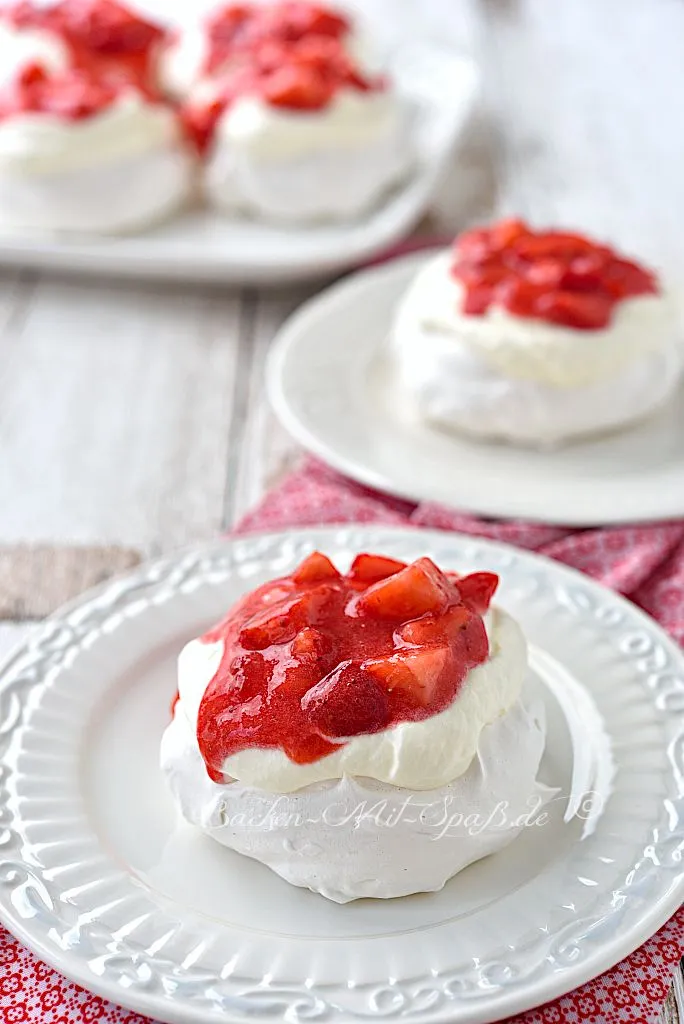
316	657
72	95
556	276
107	27
104	37
238	29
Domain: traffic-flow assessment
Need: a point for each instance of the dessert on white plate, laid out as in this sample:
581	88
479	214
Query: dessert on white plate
221	41
286	116
84	152
535	337
300	133
361	734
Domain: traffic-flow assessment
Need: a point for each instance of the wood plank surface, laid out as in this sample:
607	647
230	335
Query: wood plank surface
118	403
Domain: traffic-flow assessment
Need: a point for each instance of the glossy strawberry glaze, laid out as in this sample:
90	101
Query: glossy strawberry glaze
104	38
315	658
555	276
303	76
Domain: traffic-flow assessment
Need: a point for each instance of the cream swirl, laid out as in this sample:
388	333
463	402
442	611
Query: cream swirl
39	144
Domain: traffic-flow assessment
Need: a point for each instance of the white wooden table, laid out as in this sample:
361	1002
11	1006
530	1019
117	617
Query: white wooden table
135	414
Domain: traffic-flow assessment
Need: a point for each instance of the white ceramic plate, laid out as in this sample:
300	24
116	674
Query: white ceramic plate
203	246
333	388
102	880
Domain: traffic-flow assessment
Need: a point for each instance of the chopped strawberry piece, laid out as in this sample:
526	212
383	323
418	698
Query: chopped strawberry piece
32	74
483	274
249	675
373	568
473	641
347	702
576	309
556	276
25	14
624	278
275	626
242	29
461	628
296	54
310	646
224	24
592	265
418	673
74	94
292	21
315	568
106	26
477	590
473	245
477	300
297	88
280	623
519	296
322	53
313	658
435	629
552	244
546	273
199	122
507	231
418	589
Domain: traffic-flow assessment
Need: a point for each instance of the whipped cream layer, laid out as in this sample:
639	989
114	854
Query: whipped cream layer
351	838
43	144
296	166
22	46
533	350
121	170
416	755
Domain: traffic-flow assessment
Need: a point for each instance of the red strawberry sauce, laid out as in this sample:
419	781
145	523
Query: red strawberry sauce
316	657
72	95
109	47
556	276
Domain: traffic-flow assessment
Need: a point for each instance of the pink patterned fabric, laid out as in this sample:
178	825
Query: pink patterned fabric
644	562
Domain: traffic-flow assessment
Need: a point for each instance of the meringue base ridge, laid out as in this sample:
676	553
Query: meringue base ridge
354	837
119	197
292	169
441	381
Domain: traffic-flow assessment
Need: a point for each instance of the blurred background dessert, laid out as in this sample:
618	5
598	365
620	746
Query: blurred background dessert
535	337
